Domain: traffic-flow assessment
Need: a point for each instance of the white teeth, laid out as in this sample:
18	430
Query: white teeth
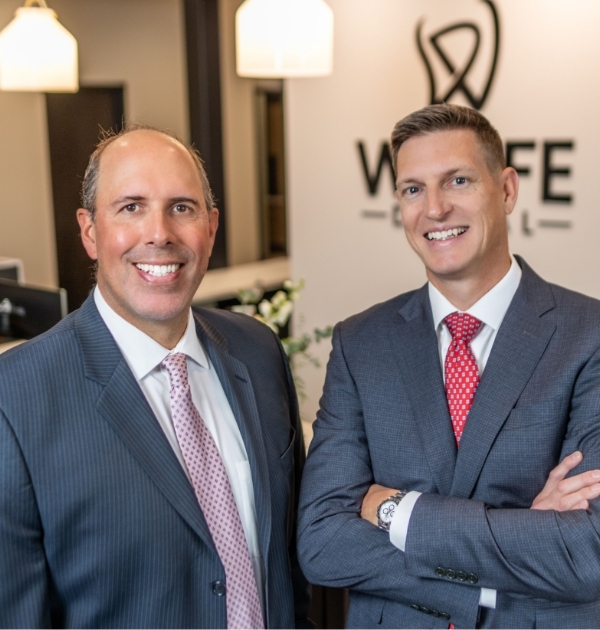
157	270
445	234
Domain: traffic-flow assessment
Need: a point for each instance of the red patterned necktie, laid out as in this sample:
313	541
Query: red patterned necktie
214	494
460	369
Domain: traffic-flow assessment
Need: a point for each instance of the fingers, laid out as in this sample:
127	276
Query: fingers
567	464
563	493
578	500
574	484
556	476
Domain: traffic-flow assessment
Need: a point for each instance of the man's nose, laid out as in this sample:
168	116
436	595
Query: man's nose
437	205
158	228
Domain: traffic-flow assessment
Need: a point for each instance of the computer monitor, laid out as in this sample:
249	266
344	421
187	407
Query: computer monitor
11	268
32	310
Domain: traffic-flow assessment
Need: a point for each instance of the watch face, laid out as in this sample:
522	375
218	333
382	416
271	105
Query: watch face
386	511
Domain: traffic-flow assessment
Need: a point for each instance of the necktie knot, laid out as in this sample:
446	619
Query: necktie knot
176	366
462	326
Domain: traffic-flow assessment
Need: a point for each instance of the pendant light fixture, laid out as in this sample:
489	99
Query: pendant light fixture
284	38
37	53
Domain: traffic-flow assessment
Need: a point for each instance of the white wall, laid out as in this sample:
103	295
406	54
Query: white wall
546	88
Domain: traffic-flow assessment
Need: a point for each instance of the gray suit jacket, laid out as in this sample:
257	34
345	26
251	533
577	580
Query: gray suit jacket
384	419
99	525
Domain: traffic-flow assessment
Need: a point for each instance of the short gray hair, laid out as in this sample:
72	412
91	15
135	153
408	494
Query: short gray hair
89	185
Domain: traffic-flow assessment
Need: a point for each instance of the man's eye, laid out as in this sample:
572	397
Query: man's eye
132	207
181	208
412	190
460	180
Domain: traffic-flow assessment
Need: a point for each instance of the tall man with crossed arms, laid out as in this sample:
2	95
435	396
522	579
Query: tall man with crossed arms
453	475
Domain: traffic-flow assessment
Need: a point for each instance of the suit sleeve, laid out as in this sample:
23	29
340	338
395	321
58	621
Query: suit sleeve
546	554
337	548
24	585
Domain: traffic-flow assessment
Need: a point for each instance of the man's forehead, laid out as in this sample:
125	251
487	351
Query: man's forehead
146	163
440	149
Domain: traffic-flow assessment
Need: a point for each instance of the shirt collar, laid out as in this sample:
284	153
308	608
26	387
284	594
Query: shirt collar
490	309
141	352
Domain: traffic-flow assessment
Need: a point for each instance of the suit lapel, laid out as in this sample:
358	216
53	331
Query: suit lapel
415	347
124	405
518	348
235	380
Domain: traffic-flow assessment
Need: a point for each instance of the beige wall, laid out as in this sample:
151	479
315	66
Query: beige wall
139	43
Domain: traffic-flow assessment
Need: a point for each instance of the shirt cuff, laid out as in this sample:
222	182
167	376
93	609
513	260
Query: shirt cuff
487	598
401	518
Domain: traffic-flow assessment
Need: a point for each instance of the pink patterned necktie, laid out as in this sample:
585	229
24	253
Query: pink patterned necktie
460	369
214	494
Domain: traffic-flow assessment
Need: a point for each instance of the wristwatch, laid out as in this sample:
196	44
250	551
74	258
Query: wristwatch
386	509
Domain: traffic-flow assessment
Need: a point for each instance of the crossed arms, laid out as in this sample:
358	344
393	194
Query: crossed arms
548	552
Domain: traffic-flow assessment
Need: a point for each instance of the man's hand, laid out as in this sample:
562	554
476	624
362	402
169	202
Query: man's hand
573	493
374	497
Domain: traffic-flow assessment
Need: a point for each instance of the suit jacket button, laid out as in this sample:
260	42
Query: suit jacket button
440	572
472	578
435	613
461	575
450	574
425	610
219	588
414	607
445	616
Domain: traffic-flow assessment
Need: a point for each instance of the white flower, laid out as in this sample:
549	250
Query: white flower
283	314
265	308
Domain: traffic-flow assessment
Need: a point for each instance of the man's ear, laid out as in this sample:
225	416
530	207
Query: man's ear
510	186
213	224
88	232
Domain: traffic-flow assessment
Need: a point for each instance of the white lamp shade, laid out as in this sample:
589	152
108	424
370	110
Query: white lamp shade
284	38
37	53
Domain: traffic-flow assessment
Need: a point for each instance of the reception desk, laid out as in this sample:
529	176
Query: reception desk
223	284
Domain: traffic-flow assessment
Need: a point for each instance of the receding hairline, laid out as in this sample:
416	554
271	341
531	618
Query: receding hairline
109	137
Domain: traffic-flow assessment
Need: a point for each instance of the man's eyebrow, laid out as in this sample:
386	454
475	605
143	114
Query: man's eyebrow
184	200
125	198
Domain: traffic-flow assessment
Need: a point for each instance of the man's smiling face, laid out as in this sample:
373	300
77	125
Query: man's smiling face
453	207
152	234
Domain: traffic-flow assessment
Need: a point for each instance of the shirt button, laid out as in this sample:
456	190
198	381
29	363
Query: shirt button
219	588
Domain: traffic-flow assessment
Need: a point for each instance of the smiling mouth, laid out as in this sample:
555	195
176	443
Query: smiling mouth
158	270
444	235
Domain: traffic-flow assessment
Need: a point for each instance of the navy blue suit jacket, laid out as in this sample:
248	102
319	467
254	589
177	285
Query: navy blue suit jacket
384	419
99	525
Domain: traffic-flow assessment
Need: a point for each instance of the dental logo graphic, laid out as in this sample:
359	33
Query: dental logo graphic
455	58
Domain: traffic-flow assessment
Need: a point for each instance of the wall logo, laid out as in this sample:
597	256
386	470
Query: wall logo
467	72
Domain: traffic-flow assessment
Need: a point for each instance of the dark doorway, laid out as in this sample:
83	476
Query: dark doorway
74	125
270	130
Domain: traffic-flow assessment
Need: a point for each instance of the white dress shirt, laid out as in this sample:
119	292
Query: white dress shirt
144	356
490	310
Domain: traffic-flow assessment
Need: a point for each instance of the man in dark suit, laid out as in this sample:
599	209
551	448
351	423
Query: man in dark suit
149	457
433	489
